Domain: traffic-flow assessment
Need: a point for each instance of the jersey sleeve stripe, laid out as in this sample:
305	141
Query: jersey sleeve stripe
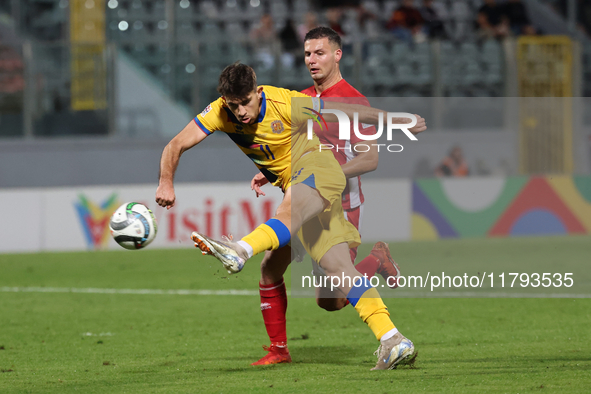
202	127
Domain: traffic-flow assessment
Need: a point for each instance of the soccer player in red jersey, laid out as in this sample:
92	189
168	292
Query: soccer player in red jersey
322	55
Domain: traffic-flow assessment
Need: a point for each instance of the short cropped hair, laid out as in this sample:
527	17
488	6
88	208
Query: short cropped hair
322	32
237	81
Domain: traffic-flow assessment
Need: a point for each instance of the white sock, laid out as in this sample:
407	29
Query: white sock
389	334
246	247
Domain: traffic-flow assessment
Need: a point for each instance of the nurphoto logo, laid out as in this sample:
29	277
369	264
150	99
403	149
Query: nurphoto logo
393	120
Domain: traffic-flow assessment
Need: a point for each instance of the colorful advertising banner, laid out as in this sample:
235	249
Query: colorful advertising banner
394	210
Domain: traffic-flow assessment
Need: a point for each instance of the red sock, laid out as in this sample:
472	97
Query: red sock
274	307
368	266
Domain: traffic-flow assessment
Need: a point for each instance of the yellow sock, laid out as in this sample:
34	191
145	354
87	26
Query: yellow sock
268	236
371	309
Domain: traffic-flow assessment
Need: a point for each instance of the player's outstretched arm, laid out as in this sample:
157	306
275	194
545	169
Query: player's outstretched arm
370	115
190	136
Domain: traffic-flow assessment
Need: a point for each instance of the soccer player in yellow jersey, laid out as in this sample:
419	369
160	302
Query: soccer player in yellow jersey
322	55
260	120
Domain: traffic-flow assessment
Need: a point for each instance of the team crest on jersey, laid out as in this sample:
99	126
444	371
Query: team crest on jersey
206	110
277	127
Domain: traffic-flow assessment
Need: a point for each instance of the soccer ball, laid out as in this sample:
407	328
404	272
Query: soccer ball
133	226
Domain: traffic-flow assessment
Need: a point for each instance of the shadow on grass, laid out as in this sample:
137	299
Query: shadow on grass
320	355
336	355
512	361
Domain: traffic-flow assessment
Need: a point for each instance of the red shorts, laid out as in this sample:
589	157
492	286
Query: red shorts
354	216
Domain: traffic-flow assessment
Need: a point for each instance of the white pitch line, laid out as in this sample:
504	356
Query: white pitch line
93	290
295	293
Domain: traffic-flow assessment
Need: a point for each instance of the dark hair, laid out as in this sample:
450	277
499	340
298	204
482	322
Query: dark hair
322	32
237	81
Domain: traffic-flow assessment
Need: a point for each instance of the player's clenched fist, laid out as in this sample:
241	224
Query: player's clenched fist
420	126
165	196
416	129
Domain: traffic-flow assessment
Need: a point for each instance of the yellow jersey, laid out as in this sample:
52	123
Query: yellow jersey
277	136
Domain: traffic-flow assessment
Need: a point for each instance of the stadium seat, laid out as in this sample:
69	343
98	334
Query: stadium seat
295	77
389	7
491	51
235	30
449	75
208	10
447	47
350	23
238	51
138	11
390	66
208	79
411	93
373	29
183	15
253	13
211	31
405	74
300	8
479	92
279	10
400	52
183	53
422	53
470	51
160	31
185	30
493	75
472	73
212	54
158	10
378	50
462	17
372	6
441	8
231	11
424	75
137	31
265	76
347	67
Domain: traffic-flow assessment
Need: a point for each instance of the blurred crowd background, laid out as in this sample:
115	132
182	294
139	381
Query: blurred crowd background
140	69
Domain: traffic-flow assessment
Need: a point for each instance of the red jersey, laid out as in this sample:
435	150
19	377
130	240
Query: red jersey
352	195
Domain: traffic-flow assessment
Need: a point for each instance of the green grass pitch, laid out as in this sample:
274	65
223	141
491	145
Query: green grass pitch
172	343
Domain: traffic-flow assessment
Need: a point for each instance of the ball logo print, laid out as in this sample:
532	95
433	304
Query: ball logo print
133	226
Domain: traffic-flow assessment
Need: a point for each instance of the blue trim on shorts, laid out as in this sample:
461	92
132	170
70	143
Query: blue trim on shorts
358	290
281	230
310	181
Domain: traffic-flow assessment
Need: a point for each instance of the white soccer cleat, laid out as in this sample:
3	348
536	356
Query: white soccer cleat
224	252
394	352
